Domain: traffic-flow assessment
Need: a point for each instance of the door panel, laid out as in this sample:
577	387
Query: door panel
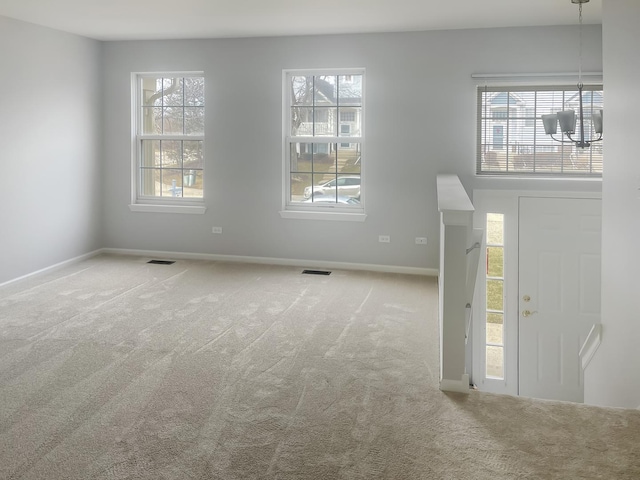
559	292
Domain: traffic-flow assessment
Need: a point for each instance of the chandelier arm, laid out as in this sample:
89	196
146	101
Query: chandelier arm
560	139
580	143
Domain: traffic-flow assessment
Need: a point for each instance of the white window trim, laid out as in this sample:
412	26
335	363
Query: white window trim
517	79
146	204
314	212
149	208
322	214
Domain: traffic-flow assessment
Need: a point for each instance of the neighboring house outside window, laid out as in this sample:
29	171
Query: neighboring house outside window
511	136
169	139
324	137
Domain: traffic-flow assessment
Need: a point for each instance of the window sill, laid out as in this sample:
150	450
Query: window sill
149	208
556	177
332	216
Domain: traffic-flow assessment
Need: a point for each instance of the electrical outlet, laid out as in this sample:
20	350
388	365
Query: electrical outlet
216	230
421	240
384	239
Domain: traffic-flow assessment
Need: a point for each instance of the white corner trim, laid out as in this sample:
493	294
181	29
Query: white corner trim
291	262
335	216
149	208
460	386
591	344
56	266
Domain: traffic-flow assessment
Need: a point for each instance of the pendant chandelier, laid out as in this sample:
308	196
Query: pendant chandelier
567	118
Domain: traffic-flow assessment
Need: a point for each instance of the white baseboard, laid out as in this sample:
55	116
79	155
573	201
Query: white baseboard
53	267
460	386
431	272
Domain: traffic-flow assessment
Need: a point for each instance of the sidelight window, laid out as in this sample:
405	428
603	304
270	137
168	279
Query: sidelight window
495	296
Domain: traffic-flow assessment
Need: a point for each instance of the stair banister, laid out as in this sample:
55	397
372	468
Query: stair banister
459	256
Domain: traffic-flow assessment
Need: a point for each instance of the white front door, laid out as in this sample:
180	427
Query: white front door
559	292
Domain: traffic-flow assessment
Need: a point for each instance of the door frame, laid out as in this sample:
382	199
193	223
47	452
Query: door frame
507	203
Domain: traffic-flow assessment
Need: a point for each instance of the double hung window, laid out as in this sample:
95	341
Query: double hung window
324	137
169	138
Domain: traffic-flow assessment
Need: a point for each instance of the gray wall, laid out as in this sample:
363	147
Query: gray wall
612	376
50	147
421	118
66	100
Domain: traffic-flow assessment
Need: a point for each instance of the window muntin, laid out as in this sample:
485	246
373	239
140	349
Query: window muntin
511	136
170	112
324	139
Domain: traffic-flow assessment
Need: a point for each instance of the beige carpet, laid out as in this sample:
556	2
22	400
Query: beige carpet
116	369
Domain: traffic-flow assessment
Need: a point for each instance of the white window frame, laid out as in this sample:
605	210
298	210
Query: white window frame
152	204
296	210
532	85
505	203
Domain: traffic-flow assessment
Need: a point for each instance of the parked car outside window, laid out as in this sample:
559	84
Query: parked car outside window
334	200
347	186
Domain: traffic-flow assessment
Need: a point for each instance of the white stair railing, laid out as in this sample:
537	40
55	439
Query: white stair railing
590	345
473	262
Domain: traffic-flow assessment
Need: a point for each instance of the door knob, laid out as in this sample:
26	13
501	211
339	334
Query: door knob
527	313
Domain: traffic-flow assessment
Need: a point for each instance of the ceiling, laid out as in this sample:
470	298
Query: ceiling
171	19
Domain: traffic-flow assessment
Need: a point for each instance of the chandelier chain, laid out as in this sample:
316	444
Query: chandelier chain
567	118
580	44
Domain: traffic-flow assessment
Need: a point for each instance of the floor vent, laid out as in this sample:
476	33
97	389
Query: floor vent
162	262
316	272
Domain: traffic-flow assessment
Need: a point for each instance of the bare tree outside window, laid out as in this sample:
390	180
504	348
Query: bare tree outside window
171	137
325	137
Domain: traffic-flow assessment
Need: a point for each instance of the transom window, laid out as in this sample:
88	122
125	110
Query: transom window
511	136
324	135
169	150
